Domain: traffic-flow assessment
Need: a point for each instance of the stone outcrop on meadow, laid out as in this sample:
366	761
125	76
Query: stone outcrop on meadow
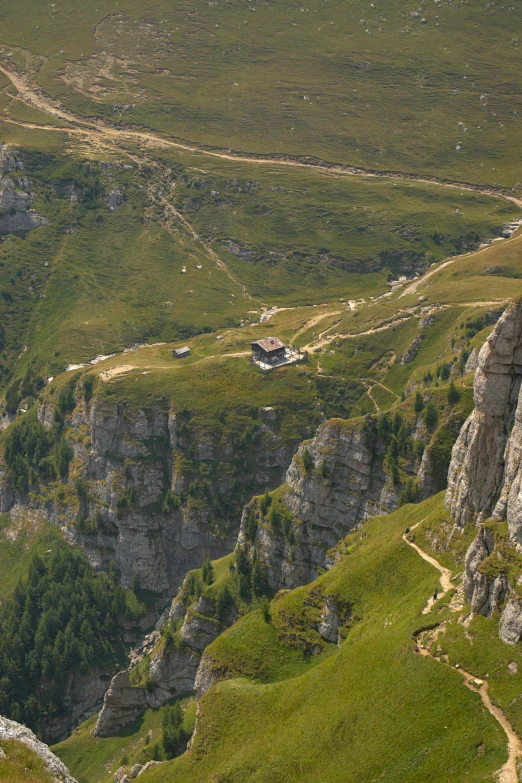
11	730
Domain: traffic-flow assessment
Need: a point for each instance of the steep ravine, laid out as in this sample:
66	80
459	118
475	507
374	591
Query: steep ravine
297	528
150	492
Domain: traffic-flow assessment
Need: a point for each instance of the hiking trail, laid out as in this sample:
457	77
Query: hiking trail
508	772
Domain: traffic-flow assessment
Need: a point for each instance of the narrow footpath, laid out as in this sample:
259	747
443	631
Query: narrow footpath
508	773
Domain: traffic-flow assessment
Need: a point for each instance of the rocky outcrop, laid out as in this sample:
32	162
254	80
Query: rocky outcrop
122	704
171	673
83	695
510	627
483	477
411	352
127	774
200	627
484	596
328	627
346	485
10	730
173	669
208	674
472	360
138	508
509	504
16	213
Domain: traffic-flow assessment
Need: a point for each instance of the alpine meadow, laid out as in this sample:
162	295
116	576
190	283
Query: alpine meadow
260	391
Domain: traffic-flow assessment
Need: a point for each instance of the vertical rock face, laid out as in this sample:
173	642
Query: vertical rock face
171	673
477	478
510	627
509	505
137	509
346	485
484	596
485	475
16	214
138	478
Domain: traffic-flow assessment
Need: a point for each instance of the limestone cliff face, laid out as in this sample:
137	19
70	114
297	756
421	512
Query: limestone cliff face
16	213
484	596
11	730
171	672
173	668
483	478
137	508
346	485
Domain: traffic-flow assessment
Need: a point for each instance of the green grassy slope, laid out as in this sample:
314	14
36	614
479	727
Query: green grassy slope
329	80
371	708
94	281
477	646
21	765
20	540
95	760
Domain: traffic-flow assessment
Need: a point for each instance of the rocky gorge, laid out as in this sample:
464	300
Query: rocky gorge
132	502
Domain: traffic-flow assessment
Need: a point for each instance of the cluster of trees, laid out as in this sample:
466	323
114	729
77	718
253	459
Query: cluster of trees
279	516
173	735
194	587
62	618
393	433
411	492
473	326
32	451
250	575
29	386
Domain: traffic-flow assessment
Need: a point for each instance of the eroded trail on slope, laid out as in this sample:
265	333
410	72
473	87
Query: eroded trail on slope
32	95
508	773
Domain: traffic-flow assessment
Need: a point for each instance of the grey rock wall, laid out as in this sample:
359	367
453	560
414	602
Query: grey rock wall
16	213
477	473
326	507
123	452
11	730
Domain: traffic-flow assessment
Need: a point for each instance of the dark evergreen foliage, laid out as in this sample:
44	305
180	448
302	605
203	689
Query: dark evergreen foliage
174	737
31	452
62	618
308	461
207	572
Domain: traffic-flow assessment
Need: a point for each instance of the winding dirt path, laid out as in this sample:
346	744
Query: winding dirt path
412	288
312	322
33	95
508	773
